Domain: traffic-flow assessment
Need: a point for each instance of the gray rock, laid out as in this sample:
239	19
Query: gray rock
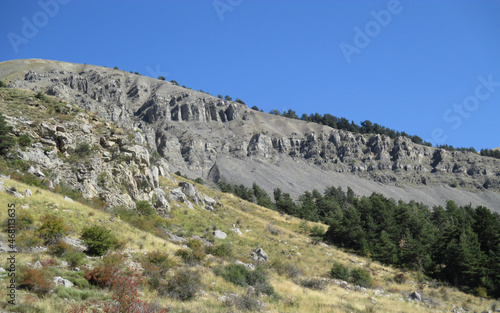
188	189
160	200
14	193
177	195
415	296
250	266
28	193
209	201
68	199
37	265
219	234
58	280
75	243
237	231
260	255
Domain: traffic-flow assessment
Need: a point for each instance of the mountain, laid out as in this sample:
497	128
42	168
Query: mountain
219	140
78	185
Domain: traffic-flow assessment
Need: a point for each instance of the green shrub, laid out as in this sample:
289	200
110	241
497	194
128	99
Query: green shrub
400	278
183	285
2	84
144	208
98	240
290	270
361	277
52	229
221	250
161	261
60	248
240	275
199	180
339	271
83	149
6	140
313	283
74	258
40	95
24	140
28	239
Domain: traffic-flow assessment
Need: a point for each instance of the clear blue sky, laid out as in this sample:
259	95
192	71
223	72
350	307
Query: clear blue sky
417	66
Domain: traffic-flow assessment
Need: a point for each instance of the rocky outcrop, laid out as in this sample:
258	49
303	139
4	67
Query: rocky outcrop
92	156
218	140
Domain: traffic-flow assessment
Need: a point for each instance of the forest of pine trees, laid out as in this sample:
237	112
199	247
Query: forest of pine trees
459	245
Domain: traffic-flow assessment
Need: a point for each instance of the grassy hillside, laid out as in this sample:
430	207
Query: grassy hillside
282	237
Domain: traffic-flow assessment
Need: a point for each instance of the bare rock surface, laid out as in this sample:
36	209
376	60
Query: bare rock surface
217	140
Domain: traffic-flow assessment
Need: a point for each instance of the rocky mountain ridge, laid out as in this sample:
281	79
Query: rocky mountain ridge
203	136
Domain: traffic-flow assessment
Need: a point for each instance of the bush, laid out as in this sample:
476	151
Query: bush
52	229
240	101
144	208
183	285
161	261
290	270
24	140
400	278
361	277
6	140
199	180
240	275
174	82
40	95
339	271
102	275
221	250
313	283
2	84
28	239
74	258
60	248
37	281
98	240
83	149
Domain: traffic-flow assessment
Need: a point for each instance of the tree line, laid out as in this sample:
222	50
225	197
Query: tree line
491	153
459	245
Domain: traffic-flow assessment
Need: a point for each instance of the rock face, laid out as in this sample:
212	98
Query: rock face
203	136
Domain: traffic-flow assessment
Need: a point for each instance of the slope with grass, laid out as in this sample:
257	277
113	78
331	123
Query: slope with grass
297	270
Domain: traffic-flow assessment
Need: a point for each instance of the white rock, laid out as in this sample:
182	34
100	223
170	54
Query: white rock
220	234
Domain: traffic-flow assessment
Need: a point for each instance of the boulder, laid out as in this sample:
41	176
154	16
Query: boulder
177	195
160	200
58	280
220	234
209	201
14	193
188	189
260	255
415	296
28	193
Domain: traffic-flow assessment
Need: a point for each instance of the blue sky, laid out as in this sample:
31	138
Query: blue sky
430	68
